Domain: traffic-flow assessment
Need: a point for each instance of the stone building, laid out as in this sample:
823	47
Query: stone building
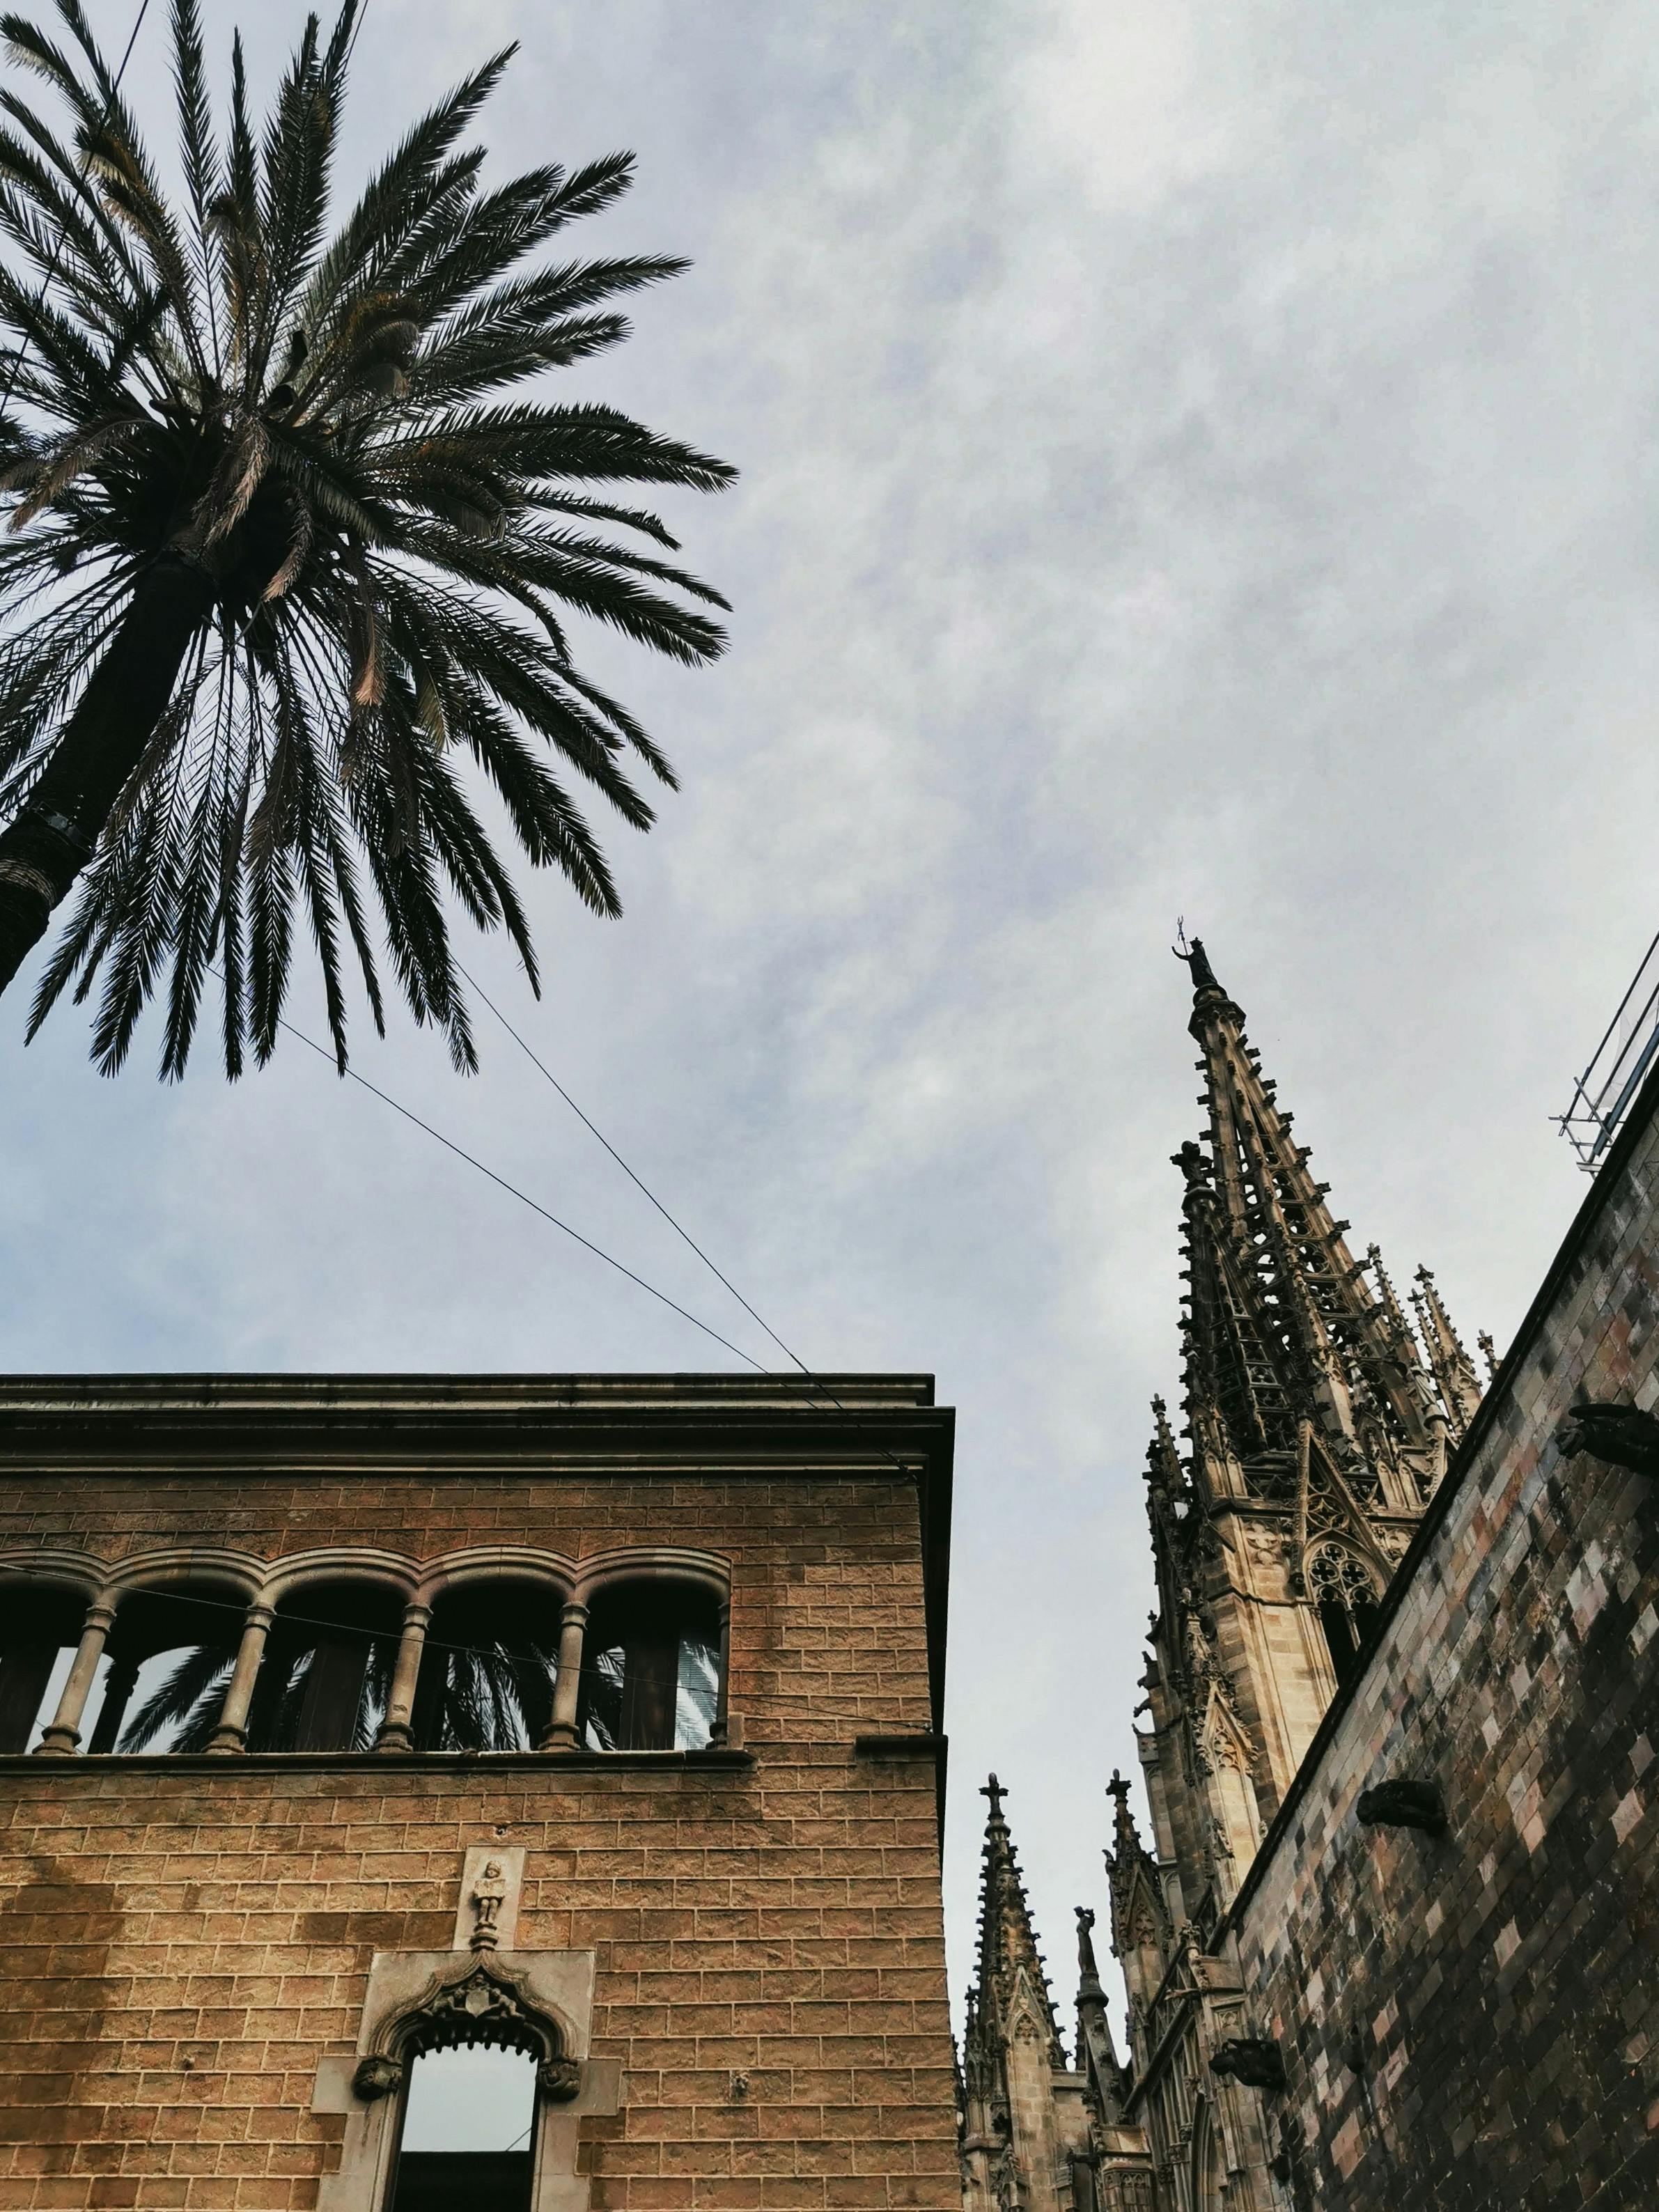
1391	1937
515	1792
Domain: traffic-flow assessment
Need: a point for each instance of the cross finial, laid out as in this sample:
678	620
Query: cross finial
994	1790
1117	1787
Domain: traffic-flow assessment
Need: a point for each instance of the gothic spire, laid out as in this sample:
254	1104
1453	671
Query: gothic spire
1097	2054
1129	1867
1283	1329
1454	1371
1011	1986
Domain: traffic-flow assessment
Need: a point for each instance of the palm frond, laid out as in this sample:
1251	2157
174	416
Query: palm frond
343	431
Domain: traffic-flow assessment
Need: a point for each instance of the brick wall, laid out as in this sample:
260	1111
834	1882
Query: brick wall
184	1940
1473	2022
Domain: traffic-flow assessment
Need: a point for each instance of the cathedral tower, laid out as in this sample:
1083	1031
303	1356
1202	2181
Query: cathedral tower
1317	1426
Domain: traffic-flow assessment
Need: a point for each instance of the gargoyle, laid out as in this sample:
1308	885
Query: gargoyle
1257	2064
1620	1436
1404	1804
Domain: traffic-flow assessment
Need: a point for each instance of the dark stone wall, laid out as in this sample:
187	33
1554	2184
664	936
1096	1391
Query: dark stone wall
1472	2021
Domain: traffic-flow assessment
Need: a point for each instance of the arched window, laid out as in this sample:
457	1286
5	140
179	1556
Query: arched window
465	2080
489	1669
468	2133
170	1654
1346	1598
1207	2163
651	1667
327	1668
39	1628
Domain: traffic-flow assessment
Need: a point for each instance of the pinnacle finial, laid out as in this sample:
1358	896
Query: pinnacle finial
1088	1970
994	1790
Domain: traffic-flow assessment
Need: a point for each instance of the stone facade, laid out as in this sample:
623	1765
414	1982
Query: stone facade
1394	1938
737	1947
1472	2019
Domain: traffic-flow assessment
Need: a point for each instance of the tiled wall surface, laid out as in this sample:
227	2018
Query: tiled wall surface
183	1944
1473	2022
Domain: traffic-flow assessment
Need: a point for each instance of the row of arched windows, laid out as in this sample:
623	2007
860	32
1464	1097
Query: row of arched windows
500	1661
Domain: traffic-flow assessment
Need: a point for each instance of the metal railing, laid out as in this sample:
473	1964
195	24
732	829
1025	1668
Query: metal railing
1602	1094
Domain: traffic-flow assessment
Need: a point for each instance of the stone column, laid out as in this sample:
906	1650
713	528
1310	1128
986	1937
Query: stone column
718	1734
118	1685
63	1733
231	1734
394	1734
566	1690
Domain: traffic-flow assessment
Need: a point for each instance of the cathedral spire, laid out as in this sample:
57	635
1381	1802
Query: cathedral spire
1453	1369
1283	1328
1011	1988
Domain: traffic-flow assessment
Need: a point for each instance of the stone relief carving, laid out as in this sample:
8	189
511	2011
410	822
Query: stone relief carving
483	2004
488	1896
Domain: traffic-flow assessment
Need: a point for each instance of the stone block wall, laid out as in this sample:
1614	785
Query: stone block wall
1472	2022
187	1939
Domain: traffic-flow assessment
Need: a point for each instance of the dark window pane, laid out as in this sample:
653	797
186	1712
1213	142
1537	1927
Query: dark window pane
651	1679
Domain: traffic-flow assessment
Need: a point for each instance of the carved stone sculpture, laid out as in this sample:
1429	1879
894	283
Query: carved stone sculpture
377	2077
489	1894
1249	2060
559	2080
1620	1436
1403	1803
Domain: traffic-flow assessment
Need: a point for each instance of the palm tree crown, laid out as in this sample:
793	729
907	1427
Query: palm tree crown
290	553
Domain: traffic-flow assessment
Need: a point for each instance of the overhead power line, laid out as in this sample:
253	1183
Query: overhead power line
638	1184
524	1197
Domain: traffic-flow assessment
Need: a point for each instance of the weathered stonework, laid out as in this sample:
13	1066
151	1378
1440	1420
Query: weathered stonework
190	1938
1395	1939
1473	2018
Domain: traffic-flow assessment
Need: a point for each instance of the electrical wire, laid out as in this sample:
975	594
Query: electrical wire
638	1182
472	1161
683	1233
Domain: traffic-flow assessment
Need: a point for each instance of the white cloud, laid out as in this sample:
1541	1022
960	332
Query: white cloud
1195	461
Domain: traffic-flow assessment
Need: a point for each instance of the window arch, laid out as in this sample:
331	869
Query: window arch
473	2067
1344	1597
326	1673
651	1667
40	1631
489	1668
171	1652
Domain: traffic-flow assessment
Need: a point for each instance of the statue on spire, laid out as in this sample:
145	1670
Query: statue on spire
1197	960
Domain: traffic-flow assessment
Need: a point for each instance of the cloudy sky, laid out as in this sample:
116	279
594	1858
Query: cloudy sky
1197	460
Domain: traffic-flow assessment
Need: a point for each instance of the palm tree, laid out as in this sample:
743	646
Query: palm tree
288	565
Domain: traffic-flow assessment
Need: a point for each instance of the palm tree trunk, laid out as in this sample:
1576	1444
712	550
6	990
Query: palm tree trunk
45	849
